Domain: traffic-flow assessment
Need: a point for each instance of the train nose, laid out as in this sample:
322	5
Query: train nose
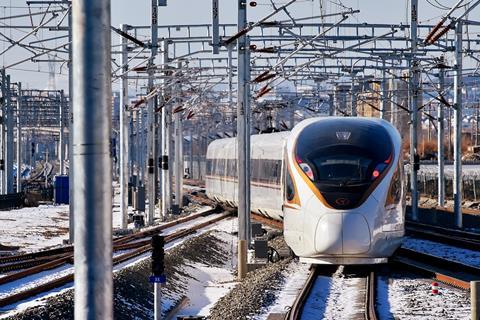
342	233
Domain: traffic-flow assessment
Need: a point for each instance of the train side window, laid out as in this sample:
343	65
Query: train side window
289	188
209	167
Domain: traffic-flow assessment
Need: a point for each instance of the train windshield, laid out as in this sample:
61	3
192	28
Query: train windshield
343	158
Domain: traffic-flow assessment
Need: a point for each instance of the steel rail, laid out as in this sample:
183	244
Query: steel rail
455	237
371	296
45	257
295	312
447	271
141	248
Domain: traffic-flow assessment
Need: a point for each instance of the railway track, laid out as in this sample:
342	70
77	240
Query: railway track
367	282
447	271
455	237
125	248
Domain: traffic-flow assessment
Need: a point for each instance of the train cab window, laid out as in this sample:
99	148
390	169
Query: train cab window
343	158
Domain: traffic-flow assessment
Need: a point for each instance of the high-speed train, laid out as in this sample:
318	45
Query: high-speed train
336	183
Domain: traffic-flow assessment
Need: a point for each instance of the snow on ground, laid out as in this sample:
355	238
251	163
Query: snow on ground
411	298
211	279
46	226
468	170
34	228
207	284
296	276
336	297
465	256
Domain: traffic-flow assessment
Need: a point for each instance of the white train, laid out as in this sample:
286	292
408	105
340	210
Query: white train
336	183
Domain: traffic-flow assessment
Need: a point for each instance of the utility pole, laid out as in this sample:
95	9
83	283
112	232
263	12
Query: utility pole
61	143
124	122
230	76
92	161
331	105
152	155
457	147
2	133
441	137
414	99
19	139
383	108
9	140
477	117
71	182
190	165
178	147
243	148
166	136
354	97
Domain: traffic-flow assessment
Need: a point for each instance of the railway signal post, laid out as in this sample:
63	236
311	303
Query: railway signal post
158	277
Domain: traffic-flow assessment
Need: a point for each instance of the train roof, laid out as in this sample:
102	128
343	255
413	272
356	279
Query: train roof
264	146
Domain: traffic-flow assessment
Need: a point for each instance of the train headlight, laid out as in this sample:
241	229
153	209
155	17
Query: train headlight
378	170
308	171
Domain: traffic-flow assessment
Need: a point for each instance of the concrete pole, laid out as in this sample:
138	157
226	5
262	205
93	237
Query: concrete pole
243	148
178	149
130	151
331	105
178	160
151	145
383	108
61	143
393	106
190	165
124	122
19	140
139	145
457	147
230	76
92	161
45	169
171	155
475	300
2	133
353	106
477	118
414	98
71	182
440	140
9	141
166	123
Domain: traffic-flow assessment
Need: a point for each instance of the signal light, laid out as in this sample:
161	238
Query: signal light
158	255
253	47
253	3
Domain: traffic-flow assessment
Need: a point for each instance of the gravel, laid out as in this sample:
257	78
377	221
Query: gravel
133	294
258	290
404	297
